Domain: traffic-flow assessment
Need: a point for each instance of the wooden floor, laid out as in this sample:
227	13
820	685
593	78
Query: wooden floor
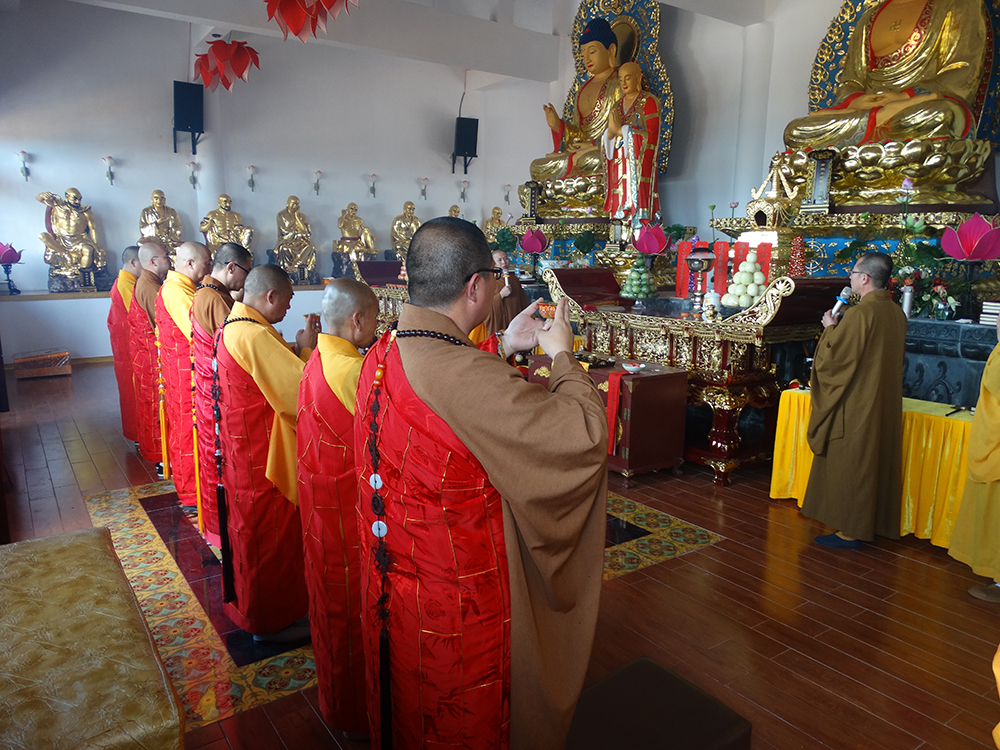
818	648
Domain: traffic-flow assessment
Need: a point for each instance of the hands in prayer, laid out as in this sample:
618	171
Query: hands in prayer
308	336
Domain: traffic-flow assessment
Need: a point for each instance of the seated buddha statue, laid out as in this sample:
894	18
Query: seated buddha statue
576	150
294	251
912	70
71	242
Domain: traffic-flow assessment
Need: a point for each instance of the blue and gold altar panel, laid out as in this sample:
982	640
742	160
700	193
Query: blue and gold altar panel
636	23
828	66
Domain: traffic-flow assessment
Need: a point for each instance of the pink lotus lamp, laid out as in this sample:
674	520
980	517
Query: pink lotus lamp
8	257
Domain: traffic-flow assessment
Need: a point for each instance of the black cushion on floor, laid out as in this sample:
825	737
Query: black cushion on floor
644	706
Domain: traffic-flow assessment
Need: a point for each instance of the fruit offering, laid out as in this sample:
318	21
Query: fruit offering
748	284
638	283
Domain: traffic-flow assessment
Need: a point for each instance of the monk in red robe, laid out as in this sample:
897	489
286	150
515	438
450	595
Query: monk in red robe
211	305
145	357
120	332
173	325
259	378
328	492
482	542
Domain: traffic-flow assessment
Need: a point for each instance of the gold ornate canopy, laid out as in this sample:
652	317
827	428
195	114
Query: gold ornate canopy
828	66
636	23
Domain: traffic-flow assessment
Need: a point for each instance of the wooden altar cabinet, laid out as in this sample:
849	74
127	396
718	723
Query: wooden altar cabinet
729	361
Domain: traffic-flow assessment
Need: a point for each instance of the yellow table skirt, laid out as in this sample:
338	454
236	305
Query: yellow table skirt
935	449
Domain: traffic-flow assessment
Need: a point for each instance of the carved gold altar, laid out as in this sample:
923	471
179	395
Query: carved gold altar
729	362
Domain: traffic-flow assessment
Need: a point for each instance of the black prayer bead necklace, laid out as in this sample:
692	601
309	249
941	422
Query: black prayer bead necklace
414	333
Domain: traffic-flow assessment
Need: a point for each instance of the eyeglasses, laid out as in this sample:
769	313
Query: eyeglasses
244	270
497	273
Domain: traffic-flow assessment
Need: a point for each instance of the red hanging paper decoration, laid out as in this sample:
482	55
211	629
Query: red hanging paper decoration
224	63
301	17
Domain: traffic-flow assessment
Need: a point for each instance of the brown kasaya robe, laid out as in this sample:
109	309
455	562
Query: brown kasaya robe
546	454
856	426
505	309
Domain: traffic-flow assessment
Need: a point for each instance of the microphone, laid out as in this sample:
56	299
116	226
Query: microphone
842	299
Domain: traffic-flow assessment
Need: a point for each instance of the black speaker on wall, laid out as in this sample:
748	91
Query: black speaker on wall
466	141
189	111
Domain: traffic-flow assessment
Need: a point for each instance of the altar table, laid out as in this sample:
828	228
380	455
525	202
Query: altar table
935	452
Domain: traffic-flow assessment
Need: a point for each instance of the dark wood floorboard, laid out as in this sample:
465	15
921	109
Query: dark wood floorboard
881	648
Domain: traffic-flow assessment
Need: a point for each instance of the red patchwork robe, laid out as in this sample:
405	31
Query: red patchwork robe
175	364
495	506
121	332
265	532
145	368
449	626
328	491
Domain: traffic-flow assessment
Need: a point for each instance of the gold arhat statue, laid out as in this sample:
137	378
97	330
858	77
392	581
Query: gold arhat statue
72	247
294	251
225	225
161	223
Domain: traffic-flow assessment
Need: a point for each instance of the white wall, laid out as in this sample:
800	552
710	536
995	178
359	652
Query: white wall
80	82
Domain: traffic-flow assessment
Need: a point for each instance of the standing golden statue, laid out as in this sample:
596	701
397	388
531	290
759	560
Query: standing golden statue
72	247
631	145
403	227
294	252
356	240
576	152
493	224
161	223
912	70
225	225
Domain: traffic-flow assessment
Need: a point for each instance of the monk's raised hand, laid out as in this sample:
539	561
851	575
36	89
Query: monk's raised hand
558	337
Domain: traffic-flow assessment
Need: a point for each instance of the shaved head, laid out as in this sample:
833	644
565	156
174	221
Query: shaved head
263	279
195	251
444	254
343	297
148	251
131	253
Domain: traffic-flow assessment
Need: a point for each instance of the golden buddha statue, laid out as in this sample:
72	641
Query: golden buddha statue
493	224
576	150
912	70
454	212
294	251
356	239
71	242
225	225
161	223
403	228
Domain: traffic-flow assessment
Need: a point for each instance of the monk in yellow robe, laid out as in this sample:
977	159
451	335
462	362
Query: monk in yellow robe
328	494
264	585
121	333
913	70
856	425
976	539
173	326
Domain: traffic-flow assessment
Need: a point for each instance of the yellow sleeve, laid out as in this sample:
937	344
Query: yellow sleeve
278	374
178	304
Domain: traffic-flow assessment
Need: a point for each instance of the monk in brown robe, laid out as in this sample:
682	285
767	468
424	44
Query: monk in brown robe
212	302
856	425
489	535
510	298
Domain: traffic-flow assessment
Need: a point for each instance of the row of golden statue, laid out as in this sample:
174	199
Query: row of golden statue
908	102
75	257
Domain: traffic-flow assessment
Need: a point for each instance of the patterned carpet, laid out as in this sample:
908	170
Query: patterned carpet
216	668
